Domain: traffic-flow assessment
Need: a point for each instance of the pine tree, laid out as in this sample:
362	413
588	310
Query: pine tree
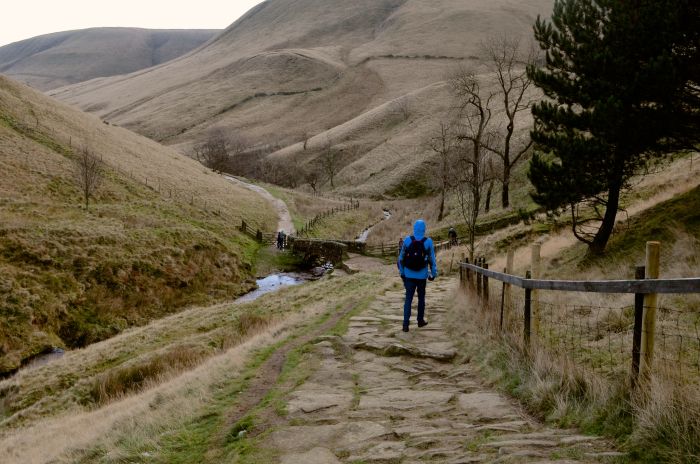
618	77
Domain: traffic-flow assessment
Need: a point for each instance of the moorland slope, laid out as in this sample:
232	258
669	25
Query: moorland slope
161	232
336	72
63	58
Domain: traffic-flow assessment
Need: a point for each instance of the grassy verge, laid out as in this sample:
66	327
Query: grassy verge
206	435
178	414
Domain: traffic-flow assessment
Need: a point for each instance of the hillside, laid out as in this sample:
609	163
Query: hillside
63	58
160	234
337	72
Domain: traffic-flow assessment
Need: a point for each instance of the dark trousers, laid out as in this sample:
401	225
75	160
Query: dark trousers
411	286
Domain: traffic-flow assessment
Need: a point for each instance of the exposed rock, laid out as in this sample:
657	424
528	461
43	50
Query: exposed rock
315	456
383	452
397	349
486	405
404	399
308	401
521	443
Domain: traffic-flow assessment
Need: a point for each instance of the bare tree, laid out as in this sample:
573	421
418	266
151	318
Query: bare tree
508	64
218	150
402	107
443	143
312	178
472	171
305	136
88	170
330	162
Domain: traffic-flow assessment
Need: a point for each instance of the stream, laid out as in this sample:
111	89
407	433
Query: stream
269	284
365	233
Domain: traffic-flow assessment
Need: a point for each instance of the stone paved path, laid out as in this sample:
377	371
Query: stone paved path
383	396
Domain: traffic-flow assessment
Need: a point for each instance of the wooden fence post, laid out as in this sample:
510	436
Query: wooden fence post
528	314
485	282
503	301
468	271
637	334
508	303
536	274
478	278
650	301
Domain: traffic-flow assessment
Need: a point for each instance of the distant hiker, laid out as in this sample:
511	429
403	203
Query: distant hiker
417	254
452	235
280	239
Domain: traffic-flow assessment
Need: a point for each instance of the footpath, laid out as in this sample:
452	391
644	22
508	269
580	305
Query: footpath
378	395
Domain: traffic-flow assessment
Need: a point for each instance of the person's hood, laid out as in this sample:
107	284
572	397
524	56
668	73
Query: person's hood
419	229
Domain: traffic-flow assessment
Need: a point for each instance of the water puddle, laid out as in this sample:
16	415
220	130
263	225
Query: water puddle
272	283
41	360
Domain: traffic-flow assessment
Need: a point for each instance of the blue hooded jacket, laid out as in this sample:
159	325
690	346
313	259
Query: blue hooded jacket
418	233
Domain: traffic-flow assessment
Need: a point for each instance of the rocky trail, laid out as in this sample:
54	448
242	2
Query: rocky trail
378	395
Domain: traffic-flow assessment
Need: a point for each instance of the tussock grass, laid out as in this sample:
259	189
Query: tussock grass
668	418
134	377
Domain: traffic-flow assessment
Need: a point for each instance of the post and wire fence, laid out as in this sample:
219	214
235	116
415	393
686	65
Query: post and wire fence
624	329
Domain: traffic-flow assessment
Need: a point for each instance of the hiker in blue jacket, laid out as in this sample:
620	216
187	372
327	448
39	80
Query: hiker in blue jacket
417	254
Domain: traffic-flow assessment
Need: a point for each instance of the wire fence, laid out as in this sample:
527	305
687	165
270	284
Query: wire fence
630	337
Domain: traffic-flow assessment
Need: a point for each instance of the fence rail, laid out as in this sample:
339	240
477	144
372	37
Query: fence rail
677	286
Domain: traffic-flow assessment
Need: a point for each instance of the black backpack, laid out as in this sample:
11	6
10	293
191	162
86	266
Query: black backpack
416	256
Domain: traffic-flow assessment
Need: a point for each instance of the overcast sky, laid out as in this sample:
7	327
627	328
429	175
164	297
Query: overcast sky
26	18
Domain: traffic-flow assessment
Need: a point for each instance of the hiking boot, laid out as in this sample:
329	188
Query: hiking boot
422	323
405	328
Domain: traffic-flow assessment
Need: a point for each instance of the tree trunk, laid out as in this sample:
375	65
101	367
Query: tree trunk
597	247
505	192
487	207
442	206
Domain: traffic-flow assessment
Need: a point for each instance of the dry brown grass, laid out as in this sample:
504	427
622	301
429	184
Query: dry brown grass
133	377
61	430
668	417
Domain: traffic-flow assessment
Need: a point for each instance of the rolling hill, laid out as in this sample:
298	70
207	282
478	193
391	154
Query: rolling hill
334	71
161	232
62	58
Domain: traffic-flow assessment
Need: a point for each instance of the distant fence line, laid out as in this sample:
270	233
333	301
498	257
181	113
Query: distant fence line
351	204
388	250
638	340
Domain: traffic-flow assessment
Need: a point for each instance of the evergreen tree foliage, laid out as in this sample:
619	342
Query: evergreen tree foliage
620	78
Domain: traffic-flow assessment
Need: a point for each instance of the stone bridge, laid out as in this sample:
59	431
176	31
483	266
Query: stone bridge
320	251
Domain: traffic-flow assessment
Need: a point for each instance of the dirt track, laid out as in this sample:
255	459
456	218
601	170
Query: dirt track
285	222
